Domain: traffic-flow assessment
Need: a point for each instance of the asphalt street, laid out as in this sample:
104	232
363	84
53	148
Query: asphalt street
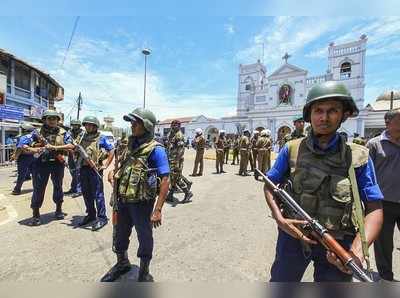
224	234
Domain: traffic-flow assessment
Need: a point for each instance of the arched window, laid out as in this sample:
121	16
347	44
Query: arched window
345	71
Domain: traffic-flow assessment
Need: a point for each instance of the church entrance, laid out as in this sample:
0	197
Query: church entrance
211	133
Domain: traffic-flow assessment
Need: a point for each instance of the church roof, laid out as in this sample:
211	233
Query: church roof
287	68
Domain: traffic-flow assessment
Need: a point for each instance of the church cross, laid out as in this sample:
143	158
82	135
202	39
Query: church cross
286	57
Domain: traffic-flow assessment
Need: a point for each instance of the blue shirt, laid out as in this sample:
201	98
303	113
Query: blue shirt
365	175
158	159
67	138
27	139
104	143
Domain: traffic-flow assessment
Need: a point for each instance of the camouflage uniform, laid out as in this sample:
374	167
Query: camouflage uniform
244	147
227	146
253	154
219	154
200	144
263	146
235	150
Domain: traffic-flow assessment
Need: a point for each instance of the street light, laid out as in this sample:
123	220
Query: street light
145	52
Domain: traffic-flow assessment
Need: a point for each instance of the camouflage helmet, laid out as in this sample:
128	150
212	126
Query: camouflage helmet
327	91
298	118
75	122
146	116
91	120
27	127
50	113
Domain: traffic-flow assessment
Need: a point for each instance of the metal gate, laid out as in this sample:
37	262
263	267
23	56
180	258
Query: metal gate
6	154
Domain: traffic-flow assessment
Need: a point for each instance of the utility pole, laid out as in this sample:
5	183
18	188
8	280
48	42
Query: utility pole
145	52
79	101
391	99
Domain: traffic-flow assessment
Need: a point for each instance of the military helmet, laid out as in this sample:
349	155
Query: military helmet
91	120
27	127
255	132
146	116
50	113
176	123
246	131
199	131
298	118
75	122
265	133
327	91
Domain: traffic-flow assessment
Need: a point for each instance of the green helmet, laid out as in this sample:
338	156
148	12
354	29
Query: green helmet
27	127
91	120
75	122
50	113
298	118
327	91
144	115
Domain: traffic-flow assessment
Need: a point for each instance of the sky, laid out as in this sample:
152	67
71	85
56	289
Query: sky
194	61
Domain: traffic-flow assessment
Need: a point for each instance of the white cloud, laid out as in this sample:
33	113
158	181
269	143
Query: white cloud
230	29
109	88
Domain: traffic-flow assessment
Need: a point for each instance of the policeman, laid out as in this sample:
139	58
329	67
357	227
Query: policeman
92	185
253	152
141	176
235	149
23	157
244	148
263	146
76	134
219	152
176	151
298	132
199	144
53	143
320	168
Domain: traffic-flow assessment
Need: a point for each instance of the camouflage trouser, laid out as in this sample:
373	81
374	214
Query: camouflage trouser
264	160
226	155
219	160
235	156
176	176
244	159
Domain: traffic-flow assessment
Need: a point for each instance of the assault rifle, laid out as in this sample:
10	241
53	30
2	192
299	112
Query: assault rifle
319	232
83	154
42	143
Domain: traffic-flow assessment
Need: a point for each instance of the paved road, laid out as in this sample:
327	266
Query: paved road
224	234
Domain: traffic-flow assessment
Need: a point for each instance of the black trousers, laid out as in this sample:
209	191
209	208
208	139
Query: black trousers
384	244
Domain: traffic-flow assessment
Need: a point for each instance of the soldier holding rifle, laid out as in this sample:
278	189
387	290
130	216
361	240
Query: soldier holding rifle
329	179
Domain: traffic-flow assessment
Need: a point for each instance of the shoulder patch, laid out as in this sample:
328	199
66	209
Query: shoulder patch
359	154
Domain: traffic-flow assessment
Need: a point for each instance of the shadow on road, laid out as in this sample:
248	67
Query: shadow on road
44	219
75	220
130	276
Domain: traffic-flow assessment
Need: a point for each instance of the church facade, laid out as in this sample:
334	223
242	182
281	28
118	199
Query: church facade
272	101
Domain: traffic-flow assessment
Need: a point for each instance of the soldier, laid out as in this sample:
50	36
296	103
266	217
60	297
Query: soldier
91	182
253	153
76	134
298	132
244	147
53	143
320	169
176	151
227	146
142	175
359	140
235	149
24	158
263	146
199	144
219	152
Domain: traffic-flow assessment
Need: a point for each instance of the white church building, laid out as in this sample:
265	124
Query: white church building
273	100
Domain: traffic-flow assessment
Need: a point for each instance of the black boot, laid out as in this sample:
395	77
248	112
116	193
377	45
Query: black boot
144	274
35	217
59	214
123	266
170	196
188	195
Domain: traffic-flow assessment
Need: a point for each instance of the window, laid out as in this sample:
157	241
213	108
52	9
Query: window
345	70
248	87
44	88
37	85
22	76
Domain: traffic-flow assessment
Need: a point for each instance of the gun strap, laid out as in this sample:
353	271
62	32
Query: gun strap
359	214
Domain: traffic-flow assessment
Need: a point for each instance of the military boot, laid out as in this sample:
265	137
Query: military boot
187	182
59	214
188	195
123	266
144	274
170	196
35	217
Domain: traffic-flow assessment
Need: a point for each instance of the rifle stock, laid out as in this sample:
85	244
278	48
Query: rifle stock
87	159
320	233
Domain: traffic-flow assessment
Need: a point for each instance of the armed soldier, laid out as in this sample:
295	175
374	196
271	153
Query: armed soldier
327	178
76	134
176	151
219	152
227	146
199	144
253	152
244	147
24	158
91	178
235	149
263	146
142	175
298	132
50	150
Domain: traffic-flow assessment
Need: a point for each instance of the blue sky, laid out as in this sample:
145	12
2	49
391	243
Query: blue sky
193	67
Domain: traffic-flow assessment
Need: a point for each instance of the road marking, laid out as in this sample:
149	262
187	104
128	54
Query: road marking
12	213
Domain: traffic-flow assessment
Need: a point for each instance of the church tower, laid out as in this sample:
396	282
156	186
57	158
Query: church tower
347	65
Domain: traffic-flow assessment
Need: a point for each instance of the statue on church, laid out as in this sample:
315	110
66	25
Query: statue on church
285	93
